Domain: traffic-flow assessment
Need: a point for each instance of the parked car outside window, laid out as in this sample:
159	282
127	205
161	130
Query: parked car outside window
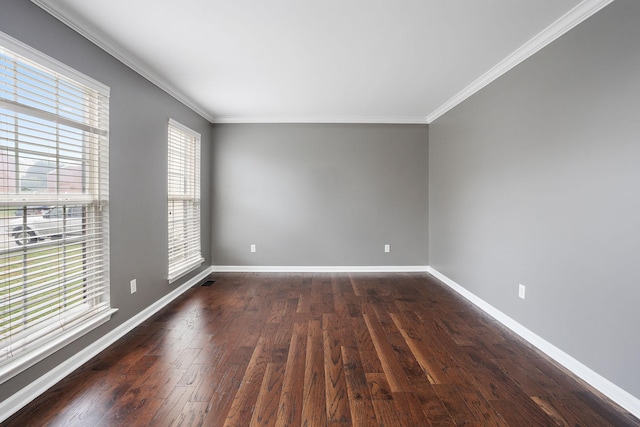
32	210
51	224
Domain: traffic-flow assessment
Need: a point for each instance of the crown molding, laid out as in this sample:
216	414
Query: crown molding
106	43
404	120
562	25
565	23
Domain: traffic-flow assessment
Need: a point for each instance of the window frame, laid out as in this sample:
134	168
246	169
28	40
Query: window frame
49	336
191	257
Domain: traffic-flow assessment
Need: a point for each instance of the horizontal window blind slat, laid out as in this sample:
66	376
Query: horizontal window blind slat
40	311
45	115
51	285
30	335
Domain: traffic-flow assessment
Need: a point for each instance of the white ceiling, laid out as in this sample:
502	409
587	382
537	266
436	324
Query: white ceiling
400	61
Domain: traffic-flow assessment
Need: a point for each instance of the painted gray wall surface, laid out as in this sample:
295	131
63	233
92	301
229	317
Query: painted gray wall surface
536	180
139	114
320	194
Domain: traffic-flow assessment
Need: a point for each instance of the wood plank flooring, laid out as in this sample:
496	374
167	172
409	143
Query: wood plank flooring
321	350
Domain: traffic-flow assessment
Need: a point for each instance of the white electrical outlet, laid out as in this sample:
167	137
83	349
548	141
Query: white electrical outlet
134	286
387	248
253	248
521	290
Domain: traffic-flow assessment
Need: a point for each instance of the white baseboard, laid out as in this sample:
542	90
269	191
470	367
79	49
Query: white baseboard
606	387
20	399
318	269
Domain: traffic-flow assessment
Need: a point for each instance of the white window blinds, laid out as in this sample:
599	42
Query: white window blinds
54	234
185	252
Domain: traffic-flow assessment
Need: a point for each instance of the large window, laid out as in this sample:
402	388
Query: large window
185	252
54	236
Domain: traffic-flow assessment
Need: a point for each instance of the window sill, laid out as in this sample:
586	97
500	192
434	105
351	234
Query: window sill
184	269
31	357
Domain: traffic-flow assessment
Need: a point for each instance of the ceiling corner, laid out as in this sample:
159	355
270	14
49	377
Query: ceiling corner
97	37
562	25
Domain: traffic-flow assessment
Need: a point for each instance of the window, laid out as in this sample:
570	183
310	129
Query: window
184	200
54	210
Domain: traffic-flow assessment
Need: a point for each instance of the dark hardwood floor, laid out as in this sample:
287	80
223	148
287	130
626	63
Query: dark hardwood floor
321	350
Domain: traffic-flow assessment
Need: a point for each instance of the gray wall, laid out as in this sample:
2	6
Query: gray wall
138	138
536	180
320	194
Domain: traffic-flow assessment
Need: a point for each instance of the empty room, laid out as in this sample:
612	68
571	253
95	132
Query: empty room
409	213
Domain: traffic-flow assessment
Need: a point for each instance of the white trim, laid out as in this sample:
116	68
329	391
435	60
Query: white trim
184	270
18	400
16	46
318	269
606	387
401	120
106	43
569	20
23	362
183	128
